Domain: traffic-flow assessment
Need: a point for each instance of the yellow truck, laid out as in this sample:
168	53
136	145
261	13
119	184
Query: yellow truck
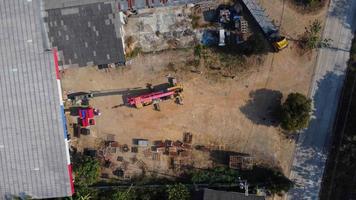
278	42
281	43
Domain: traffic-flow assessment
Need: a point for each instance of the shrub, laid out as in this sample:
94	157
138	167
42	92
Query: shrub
178	192
272	179
295	112
125	195
312	37
198	50
216	175
134	53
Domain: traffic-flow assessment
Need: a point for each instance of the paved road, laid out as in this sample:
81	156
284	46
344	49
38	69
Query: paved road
313	144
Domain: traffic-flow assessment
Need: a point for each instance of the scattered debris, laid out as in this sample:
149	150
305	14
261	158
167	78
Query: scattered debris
120	158
134	149
243	162
187	137
156	156
104	175
124	148
140	142
118	172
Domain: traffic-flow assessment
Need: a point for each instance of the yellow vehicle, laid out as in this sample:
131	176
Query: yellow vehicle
280	44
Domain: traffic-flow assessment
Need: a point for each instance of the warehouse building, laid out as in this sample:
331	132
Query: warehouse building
34	155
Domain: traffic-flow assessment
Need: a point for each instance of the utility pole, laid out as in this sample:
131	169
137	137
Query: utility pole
246	188
243	185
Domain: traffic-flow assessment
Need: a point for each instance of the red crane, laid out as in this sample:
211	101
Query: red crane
146	99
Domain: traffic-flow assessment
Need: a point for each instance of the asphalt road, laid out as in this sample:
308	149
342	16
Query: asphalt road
313	143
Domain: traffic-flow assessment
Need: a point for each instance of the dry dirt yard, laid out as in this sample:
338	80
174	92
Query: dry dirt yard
229	114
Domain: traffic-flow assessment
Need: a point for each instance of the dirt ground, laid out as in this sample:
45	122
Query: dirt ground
230	114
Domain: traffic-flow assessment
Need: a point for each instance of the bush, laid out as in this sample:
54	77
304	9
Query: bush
306	6
271	179
216	175
195	21
198	50
295	112
84	193
86	170
312	37
125	195
178	192
134	53
151	193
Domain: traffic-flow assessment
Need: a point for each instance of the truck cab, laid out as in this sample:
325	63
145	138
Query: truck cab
280	44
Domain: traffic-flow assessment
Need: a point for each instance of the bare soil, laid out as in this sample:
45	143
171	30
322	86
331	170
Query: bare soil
222	113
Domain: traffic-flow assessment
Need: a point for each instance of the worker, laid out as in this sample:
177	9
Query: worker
97	112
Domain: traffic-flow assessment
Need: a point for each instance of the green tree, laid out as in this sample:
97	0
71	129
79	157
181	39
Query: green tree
296	112
216	175
273	181
86	170
85	197
312	37
129	194
198	50
311	2
84	193
178	192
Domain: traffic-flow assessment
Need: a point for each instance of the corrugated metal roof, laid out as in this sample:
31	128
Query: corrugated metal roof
260	16
32	148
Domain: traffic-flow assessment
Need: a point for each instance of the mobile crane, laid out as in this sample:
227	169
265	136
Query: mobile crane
153	96
173	91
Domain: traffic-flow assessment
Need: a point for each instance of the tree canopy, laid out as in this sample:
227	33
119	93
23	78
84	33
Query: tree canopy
216	175
296	112
124	195
178	192
86	170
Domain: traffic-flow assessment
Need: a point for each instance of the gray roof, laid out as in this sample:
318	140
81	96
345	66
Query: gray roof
121	4
86	34
260	16
32	146
223	195
54	4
